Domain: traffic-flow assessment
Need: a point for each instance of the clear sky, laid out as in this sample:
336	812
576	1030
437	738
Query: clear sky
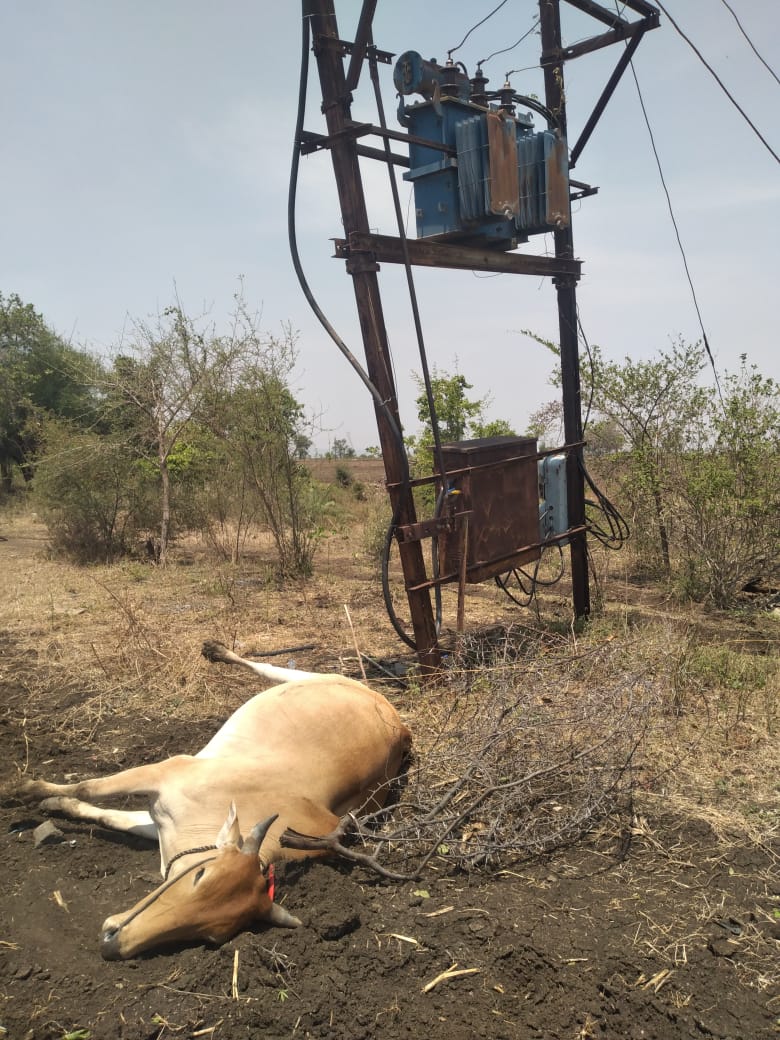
146	150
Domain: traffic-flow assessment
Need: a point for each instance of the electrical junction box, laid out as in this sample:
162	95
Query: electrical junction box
494	480
504	181
553	498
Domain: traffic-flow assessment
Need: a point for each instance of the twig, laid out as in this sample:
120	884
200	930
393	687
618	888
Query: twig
234	986
381	668
451	973
354	641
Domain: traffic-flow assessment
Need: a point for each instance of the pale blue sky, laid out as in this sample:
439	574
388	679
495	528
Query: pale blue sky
147	144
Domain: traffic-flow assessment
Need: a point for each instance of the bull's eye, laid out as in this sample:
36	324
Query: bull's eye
198	875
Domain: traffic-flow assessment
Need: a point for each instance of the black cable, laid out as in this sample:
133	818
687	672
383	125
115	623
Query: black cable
534	581
471	30
618	530
532	103
311	300
292	238
676	229
584	339
437	448
721	84
506	50
752	46
408	270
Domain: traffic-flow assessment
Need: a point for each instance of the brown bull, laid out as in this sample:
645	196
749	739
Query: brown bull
299	755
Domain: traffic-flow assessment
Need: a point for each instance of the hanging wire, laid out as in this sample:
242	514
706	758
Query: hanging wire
584	339
752	46
437	448
676	230
506	50
471	30
381	404
526	68
617	531
534	582
721	84
293	240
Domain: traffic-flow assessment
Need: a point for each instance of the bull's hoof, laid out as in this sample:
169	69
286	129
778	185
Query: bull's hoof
58	804
29	790
214	651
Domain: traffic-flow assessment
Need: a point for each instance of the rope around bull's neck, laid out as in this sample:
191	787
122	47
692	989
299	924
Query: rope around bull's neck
154	896
187	852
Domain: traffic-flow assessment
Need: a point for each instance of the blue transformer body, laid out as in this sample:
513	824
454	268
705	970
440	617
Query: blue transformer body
504	183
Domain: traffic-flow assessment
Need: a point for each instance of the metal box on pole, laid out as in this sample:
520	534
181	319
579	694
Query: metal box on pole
494	481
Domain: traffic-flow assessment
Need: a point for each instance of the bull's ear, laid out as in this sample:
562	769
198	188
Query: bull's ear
230	832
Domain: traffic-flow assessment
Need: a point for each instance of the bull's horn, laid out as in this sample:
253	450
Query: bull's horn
256	838
282	918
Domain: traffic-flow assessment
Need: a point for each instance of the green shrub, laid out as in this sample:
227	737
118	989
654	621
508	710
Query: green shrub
94	499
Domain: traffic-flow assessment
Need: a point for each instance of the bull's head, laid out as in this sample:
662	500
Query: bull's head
211	899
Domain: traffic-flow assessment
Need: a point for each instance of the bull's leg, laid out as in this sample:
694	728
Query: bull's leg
138	822
146	780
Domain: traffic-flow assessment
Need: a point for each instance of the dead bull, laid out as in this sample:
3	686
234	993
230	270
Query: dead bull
299	755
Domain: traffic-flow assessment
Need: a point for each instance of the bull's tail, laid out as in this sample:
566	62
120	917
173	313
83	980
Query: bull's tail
219	653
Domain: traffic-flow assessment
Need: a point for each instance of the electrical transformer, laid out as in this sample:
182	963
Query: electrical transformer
482	176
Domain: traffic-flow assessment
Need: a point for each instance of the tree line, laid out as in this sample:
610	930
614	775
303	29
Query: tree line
185	428
693	464
189	428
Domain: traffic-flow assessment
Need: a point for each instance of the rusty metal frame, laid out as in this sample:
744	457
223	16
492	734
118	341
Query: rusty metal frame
362	250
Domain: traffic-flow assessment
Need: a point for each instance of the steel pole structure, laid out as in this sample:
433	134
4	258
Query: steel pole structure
336	106
566	286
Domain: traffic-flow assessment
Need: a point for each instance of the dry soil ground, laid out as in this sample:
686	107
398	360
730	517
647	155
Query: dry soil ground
672	934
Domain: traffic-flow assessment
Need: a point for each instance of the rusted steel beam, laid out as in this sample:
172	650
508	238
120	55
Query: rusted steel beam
606	94
595	43
424	253
336	106
601	14
642	7
363	37
311	142
566	288
500	563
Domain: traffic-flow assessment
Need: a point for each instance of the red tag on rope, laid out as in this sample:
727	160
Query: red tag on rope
271	882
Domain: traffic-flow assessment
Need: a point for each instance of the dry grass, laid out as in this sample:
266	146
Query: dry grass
668	707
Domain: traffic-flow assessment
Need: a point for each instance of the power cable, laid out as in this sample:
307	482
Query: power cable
506	50
752	46
619	530
471	30
534	581
584	339
722	85
676	228
526	68
408	270
330	330
438	453
293	241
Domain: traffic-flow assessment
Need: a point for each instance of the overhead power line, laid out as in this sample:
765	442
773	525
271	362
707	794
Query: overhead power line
471	30
676	229
752	46
721	84
505	50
